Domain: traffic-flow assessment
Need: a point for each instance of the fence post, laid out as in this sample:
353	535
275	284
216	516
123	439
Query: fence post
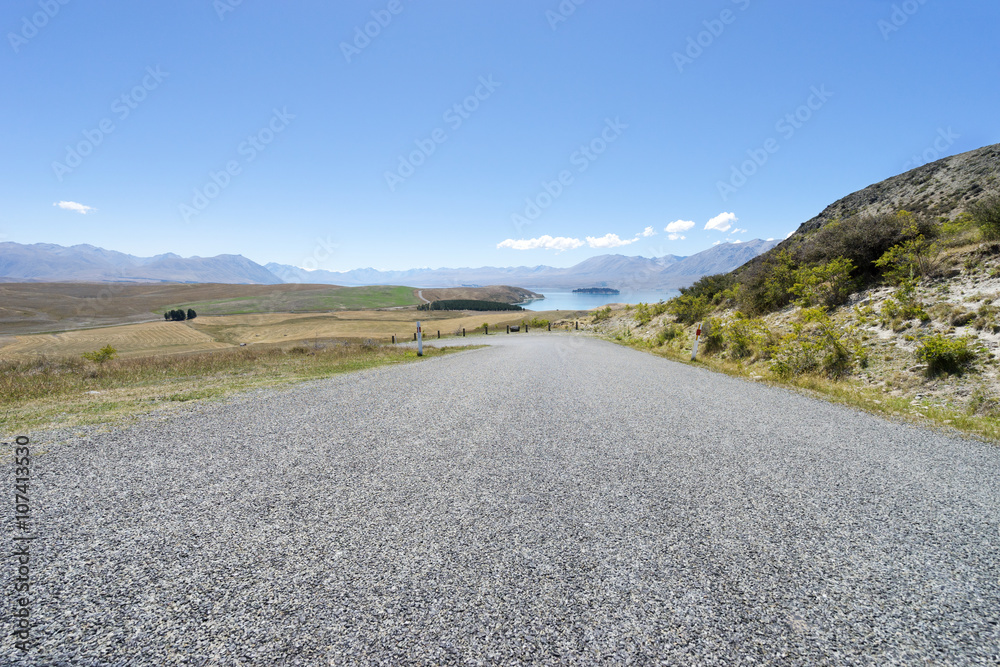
550	326
439	333
486	329
577	323
463	332
393	339
697	335
525	328
414	336
420	341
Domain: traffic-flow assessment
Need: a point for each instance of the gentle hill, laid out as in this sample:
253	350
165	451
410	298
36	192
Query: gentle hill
36	307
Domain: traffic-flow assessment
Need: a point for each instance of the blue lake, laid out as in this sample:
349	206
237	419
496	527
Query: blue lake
568	300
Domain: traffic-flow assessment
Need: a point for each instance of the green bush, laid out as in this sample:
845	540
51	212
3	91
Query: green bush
712	336
826	285
986	214
764	285
815	345
909	259
946	355
745	338
689	308
713	288
602	314
903	305
106	353
668	334
863	240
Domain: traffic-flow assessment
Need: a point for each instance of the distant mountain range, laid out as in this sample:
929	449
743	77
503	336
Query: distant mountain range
46	262
617	271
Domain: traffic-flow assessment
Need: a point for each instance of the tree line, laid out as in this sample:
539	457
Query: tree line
179	315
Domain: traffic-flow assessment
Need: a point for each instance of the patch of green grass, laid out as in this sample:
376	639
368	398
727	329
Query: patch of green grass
334	298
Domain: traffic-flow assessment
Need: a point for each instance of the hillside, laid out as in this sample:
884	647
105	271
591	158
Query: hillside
892	309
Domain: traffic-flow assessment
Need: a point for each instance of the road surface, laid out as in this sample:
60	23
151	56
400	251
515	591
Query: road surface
552	499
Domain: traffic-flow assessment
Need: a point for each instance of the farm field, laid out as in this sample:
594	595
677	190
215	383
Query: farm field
216	332
27	308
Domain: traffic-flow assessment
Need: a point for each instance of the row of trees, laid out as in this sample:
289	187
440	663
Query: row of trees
468	304
179	315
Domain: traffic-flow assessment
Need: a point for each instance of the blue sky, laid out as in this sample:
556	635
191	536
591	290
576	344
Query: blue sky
472	133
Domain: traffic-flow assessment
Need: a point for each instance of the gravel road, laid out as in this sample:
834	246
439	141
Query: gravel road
552	499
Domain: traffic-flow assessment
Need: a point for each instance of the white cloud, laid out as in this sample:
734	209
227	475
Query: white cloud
676	237
771	239
545	242
735	230
736	241
721	222
608	241
717	243
73	206
649	231
679	226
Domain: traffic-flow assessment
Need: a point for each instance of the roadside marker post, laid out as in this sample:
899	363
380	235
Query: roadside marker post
420	341
697	335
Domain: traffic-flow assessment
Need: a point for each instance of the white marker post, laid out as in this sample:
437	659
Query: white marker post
420	341
697	335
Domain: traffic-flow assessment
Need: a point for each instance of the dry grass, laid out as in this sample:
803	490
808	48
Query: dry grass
948	417
46	392
207	333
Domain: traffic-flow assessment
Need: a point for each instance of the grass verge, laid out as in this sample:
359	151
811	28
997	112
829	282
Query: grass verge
845	392
42	392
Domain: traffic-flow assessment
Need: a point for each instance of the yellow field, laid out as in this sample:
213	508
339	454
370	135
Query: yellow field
208	333
129	340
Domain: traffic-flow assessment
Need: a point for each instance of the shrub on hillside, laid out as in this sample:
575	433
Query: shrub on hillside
764	286
689	308
106	353
668	333
713	288
986	214
825	285
602	314
862	239
816	345
946	355
912	258
747	337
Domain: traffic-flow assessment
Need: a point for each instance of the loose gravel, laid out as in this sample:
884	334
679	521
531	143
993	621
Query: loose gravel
552	499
